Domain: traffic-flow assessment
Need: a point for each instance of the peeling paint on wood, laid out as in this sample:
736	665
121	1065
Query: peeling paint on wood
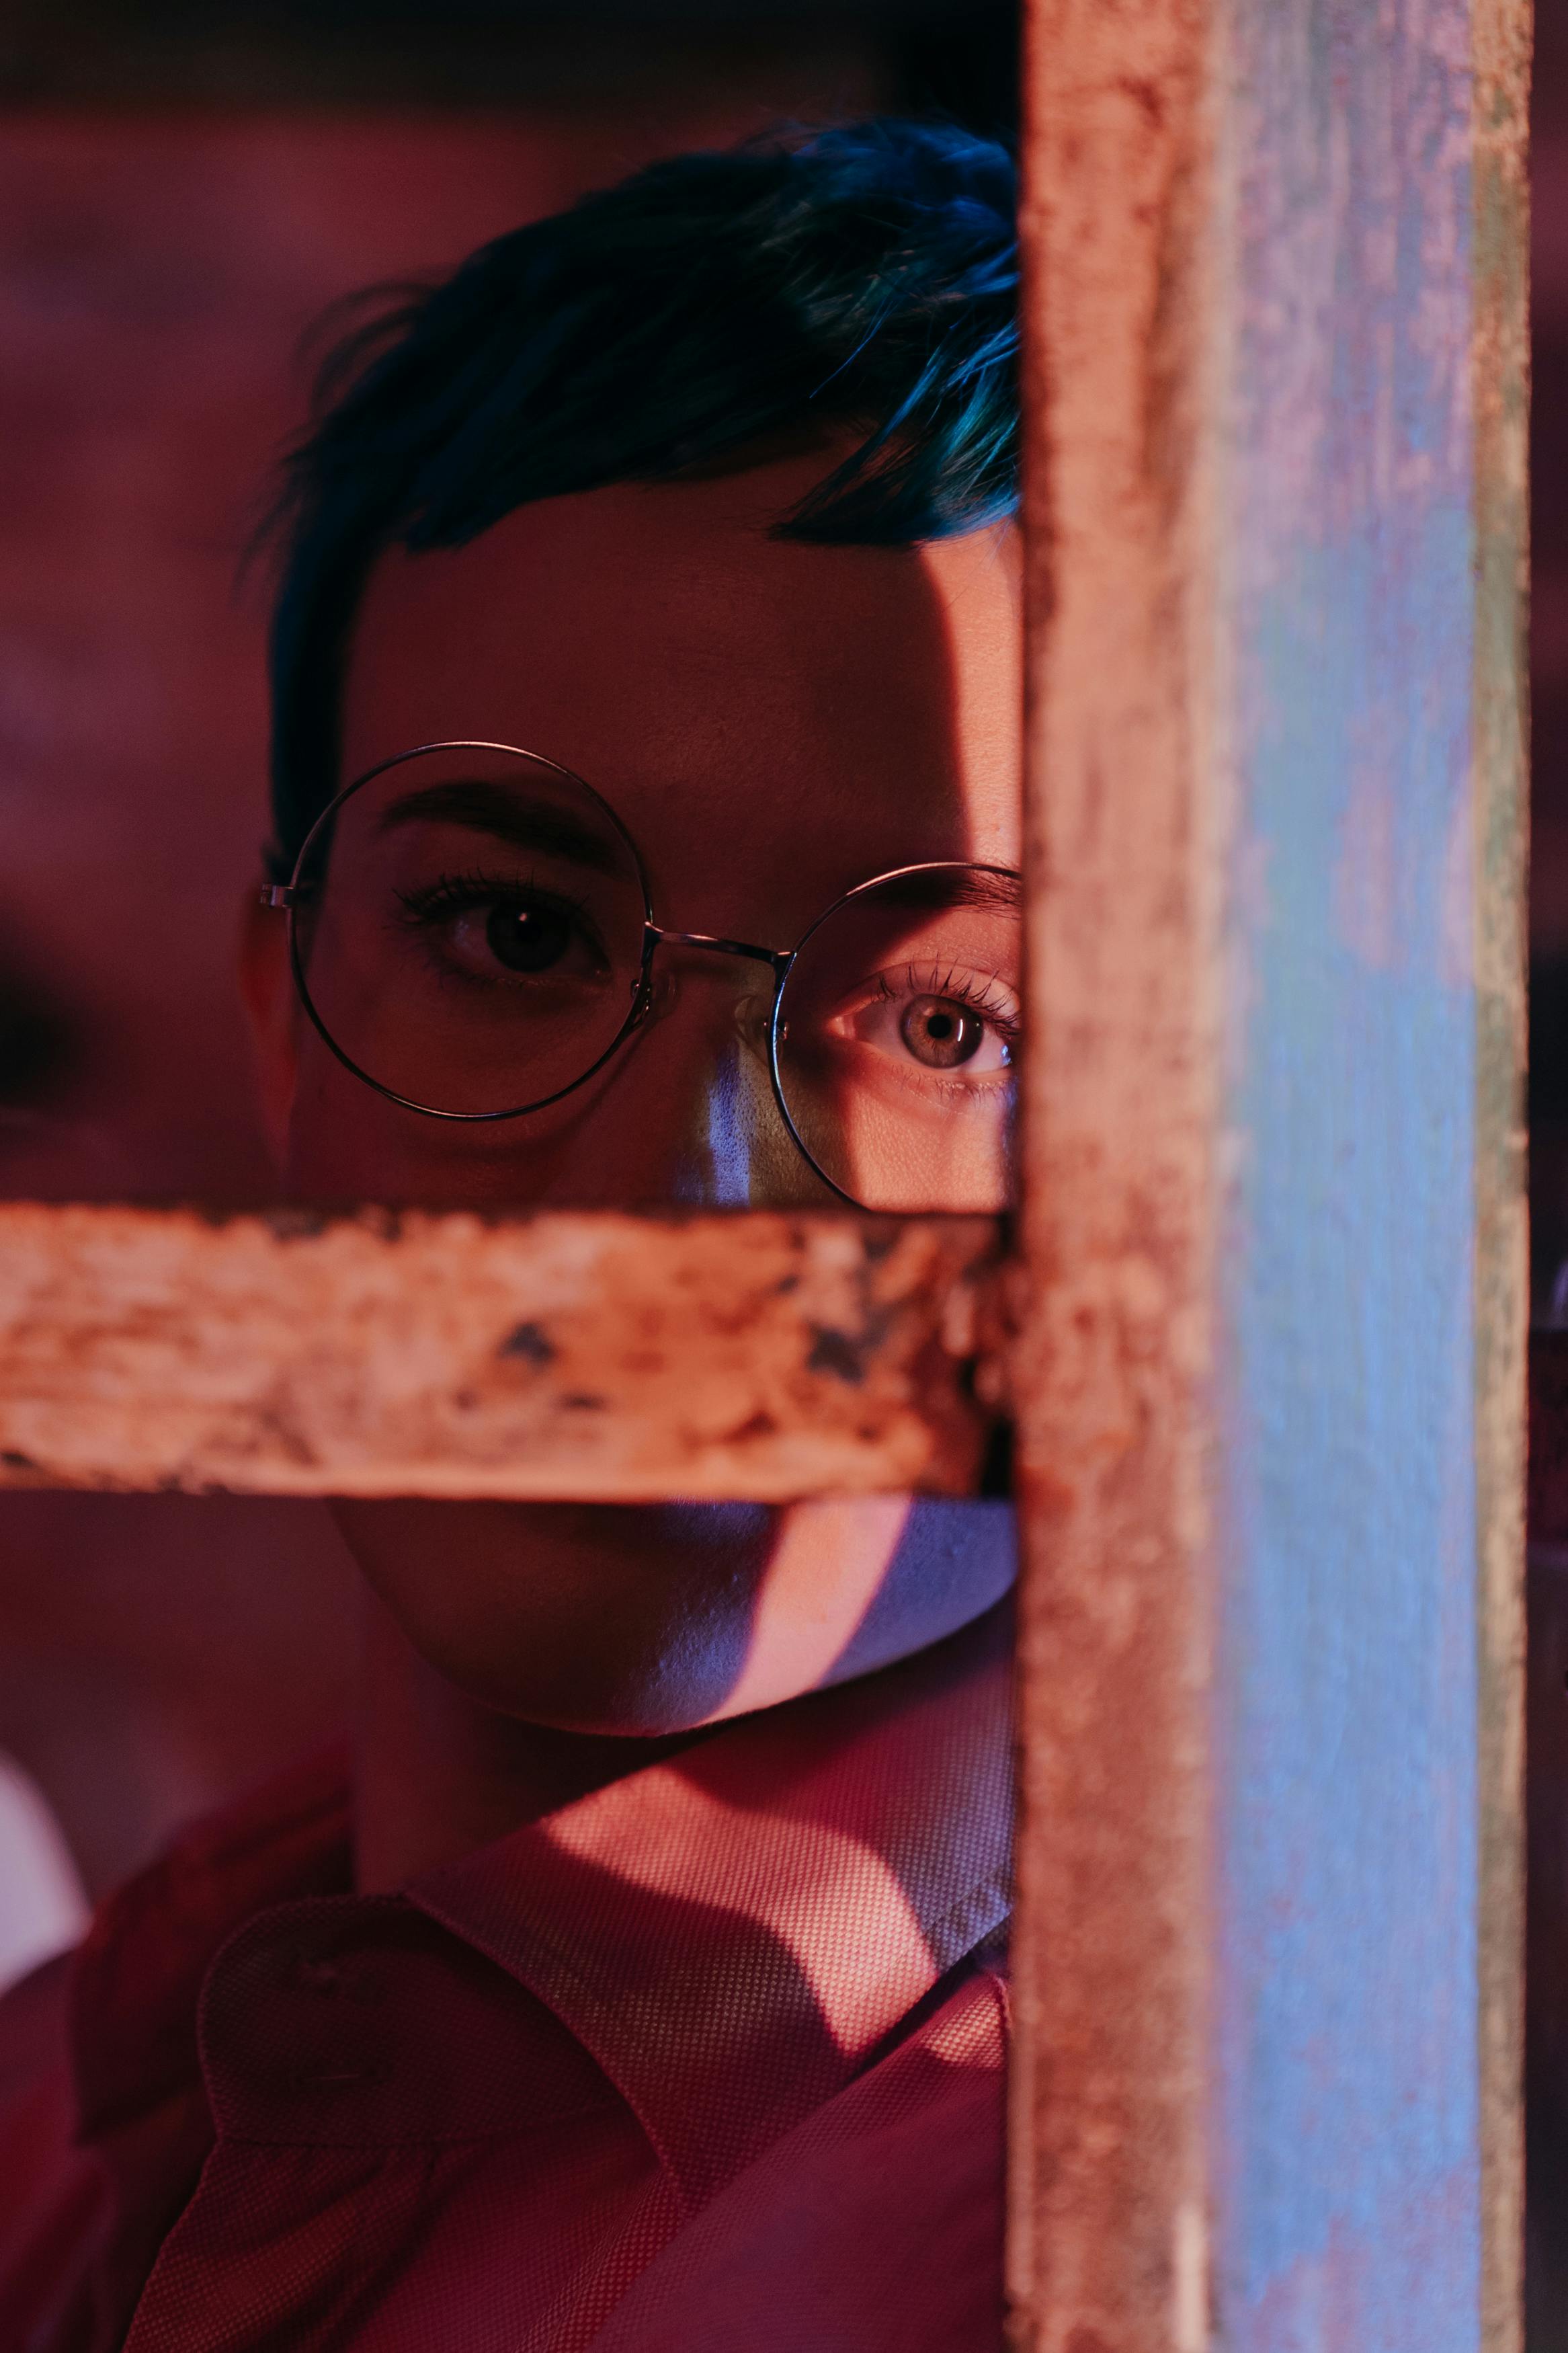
1269	1391
595	1356
1108	2195
1500	785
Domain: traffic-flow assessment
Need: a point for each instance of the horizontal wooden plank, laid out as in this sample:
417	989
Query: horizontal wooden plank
561	1356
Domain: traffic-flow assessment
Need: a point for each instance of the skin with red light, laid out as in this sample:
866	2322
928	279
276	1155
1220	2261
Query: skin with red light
774	721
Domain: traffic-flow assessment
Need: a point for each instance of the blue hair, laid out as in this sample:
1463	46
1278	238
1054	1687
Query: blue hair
865	276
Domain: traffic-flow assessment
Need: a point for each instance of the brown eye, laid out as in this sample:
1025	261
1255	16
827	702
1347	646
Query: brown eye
941	1033
528	938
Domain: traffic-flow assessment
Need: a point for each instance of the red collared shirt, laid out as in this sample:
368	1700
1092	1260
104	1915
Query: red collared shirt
708	2060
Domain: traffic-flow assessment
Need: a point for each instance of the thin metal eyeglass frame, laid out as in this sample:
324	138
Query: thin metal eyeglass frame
294	893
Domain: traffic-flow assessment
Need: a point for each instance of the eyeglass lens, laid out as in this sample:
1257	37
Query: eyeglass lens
899	1032
469	935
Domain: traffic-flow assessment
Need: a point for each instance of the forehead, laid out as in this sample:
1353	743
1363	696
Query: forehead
820	712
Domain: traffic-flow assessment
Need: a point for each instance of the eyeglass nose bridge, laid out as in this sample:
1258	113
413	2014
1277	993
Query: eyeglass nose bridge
780	959
656	936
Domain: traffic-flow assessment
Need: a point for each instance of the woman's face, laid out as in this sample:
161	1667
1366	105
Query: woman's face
773	723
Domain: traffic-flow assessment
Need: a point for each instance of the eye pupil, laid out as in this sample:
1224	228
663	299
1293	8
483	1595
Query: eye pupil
941	1034
528	939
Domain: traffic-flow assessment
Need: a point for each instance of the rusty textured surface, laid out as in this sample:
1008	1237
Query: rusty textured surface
1500	201
1108	2203
565	1355
1269	1397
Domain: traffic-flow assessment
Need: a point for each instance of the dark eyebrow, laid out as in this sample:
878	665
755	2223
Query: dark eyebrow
996	888
508	816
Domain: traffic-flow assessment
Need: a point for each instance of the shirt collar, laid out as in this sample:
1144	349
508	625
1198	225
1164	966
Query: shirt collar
730	1933
137	1976
733	1931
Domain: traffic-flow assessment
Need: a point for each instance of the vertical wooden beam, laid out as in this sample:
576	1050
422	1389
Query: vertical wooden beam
1107	2160
1501	783
1268	1952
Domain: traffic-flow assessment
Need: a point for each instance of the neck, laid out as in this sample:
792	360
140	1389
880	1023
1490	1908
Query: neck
437	1772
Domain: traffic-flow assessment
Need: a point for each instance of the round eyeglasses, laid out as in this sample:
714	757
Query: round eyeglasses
472	931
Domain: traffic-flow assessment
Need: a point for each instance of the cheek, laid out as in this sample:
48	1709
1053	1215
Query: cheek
852	1585
827	1565
346	1142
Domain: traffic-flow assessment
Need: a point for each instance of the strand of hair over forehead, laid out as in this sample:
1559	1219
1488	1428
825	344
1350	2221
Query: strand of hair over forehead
866	274
863	276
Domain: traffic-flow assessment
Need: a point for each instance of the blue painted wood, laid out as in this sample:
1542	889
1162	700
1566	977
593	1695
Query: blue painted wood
1349	2177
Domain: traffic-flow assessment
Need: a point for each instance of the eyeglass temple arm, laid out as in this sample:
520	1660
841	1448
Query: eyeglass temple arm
780	958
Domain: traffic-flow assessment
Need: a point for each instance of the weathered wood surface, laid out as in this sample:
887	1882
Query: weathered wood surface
592	1356
1499	239
1108	2194
1269	1395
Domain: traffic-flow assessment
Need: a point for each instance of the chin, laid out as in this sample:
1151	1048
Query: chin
598	1618
652	1681
655	1619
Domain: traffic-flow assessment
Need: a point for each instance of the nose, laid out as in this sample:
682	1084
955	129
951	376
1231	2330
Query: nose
688	1111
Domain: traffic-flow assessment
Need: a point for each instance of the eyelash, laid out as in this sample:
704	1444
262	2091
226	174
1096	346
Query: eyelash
460	895
960	989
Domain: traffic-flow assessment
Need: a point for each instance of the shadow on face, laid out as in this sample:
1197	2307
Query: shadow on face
772	723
